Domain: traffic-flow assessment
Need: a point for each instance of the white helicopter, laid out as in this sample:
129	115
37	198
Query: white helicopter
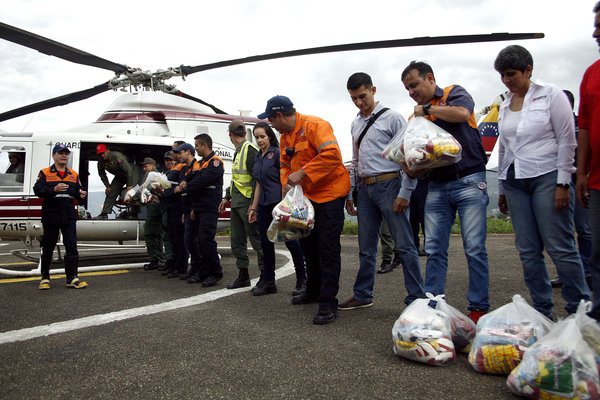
143	123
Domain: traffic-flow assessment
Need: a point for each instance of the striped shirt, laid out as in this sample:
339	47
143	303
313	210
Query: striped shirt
369	161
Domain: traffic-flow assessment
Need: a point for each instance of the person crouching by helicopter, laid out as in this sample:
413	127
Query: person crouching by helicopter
175	228
124	175
153	224
60	188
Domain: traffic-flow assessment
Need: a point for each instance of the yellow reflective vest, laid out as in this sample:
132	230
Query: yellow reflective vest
242	178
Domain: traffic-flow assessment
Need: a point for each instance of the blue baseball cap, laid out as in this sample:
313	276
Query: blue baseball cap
58	147
276	104
185	146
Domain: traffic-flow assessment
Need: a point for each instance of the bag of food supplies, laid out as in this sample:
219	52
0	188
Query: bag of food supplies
560	365
293	217
504	334
461	326
589	328
156	180
423	334
421	144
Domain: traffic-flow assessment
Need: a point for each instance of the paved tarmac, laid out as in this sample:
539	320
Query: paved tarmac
233	347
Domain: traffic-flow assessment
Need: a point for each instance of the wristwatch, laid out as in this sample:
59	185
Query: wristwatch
426	108
564	186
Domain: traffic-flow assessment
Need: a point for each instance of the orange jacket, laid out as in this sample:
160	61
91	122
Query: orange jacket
316	151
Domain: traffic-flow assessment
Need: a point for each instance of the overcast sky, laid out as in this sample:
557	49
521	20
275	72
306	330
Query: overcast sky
158	34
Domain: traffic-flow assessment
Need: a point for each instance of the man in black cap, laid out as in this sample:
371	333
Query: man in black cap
175	228
60	189
153	224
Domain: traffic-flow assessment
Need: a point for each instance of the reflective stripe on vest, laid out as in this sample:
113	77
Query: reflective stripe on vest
443	101
241	178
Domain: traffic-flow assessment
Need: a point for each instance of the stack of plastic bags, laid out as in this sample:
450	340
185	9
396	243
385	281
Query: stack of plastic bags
561	365
421	144
504	334
293	217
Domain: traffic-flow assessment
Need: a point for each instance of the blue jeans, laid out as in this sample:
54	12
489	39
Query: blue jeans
468	196
594	213
584	233
374	203
538	225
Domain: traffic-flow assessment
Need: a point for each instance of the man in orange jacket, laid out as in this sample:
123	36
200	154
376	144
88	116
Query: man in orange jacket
311	157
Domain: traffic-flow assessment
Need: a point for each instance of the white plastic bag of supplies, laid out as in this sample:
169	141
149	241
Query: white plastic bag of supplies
462	327
421	144
560	365
293	217
423	334
504	334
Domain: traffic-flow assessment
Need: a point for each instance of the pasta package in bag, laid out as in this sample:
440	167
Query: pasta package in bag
421	144
561	365
504	334
462	327
293	217
423	334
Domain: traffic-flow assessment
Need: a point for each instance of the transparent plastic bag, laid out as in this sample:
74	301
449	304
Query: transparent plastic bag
293	217
504	334
561	365
156	180
421	144
133	194
589	328
423	334
462	328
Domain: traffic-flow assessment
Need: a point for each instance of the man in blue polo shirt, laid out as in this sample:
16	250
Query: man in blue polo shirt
459	187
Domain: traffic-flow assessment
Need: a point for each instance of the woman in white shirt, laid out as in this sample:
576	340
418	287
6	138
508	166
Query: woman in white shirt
536	151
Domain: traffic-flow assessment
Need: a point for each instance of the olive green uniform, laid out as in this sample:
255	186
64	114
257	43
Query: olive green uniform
124	175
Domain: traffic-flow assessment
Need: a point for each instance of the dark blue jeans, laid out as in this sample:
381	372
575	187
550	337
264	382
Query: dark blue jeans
376	203
538	225
265	217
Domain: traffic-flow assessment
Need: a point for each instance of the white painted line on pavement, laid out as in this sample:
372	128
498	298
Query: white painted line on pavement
101	319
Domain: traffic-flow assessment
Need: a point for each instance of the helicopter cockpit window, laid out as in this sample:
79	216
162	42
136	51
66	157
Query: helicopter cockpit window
12	168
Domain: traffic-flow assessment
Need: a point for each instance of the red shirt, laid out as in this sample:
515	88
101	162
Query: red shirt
589	118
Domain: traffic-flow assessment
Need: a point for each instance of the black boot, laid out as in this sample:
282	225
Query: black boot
243	280
300	286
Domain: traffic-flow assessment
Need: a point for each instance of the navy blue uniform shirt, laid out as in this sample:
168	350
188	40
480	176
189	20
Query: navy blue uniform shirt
266	172
473	155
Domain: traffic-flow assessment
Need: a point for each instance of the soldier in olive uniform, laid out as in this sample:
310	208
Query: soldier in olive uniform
153	224
124	175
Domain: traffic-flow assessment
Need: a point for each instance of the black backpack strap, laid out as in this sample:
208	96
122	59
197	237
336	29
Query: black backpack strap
369	123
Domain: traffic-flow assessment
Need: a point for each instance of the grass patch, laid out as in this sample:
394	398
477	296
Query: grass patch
494	225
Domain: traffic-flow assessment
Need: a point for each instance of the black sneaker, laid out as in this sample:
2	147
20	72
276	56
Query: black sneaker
211	281
239	283
385	267
325	315
267	287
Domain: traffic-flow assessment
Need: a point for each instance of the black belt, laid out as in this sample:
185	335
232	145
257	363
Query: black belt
457	175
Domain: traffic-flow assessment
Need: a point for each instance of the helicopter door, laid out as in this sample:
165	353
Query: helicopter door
15	181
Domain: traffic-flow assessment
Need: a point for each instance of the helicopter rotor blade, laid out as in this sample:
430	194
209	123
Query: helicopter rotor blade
381	44
56	101
197	100
53	48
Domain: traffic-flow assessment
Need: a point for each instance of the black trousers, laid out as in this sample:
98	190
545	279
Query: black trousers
176	231
207	229
322	250
49	240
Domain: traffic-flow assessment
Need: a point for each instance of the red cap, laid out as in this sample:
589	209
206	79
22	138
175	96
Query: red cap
100	148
